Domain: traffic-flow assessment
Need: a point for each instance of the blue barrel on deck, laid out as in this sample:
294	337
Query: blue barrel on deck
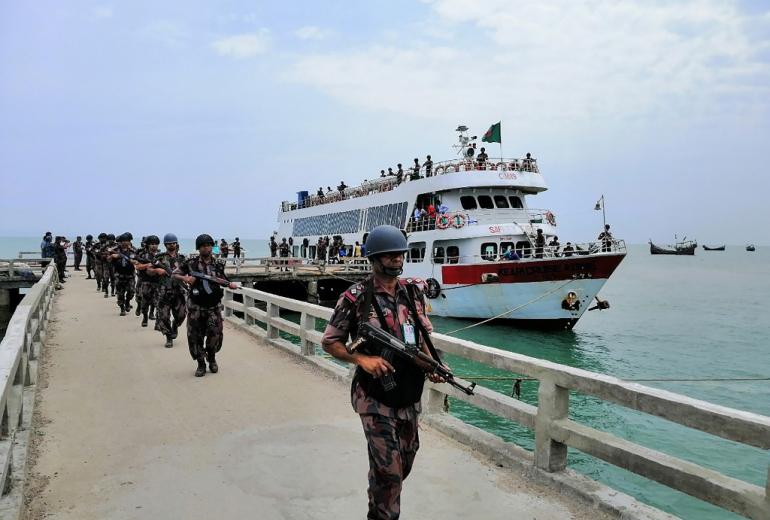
301	196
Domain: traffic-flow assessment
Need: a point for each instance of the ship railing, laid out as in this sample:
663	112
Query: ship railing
297	265
293	326
23	268
528	219
383	184
20	349
526	251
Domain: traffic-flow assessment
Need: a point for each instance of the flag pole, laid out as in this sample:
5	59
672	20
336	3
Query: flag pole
501	140
604	217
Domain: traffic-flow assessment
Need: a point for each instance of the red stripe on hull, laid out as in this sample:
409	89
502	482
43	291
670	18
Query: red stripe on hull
524	271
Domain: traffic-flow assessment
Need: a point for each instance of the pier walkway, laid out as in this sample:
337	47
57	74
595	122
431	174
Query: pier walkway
126	431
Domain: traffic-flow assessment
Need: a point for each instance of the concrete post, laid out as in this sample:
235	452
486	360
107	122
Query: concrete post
553	404
306	323
432	401
273	311
248	301
228	298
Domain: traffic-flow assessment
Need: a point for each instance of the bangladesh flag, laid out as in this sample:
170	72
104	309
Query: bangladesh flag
493	134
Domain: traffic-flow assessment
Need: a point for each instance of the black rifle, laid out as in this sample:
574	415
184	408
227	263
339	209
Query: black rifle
206	279
368	333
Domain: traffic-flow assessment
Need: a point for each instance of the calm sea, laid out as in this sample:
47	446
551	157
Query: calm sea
700	317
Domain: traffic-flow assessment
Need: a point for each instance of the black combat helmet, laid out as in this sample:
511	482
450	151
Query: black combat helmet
385	239
169	238
203	240
128	235
89	237
110	236
102	236
152	239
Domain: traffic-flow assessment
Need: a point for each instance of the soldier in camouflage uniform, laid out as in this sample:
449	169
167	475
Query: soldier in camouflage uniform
89	245
140	276
172	293
108	269
123	259
388	417
98	262
204	307
149	280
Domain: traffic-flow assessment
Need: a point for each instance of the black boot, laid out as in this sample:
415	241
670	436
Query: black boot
122	311
201	371
174	331
152	312
139	311
144	320
213	367
169	341
106	295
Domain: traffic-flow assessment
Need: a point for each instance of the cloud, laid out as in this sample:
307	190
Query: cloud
169	33
559	61
311	32
243	45
101	12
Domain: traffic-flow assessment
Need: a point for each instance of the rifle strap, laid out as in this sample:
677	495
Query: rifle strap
419	325
370	300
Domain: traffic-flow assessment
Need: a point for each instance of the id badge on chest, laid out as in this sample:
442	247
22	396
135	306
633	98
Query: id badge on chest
408	331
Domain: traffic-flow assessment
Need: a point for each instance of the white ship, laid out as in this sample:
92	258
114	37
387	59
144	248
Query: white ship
483	214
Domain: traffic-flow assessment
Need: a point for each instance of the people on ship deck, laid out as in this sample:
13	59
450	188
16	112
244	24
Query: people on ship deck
428	164
606	239
482	158
539	243
510	254
320	192
568	249
554	245
341	188
382	173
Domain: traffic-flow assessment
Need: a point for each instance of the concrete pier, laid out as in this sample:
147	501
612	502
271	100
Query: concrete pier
124	431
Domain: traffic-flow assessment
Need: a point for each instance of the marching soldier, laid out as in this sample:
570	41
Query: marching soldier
108	269
89	245
172	293
388	412
204	307
140	276
149	280
96	251
77	248
123	259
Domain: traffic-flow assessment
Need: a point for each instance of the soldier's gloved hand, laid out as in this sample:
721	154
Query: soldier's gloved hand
375	365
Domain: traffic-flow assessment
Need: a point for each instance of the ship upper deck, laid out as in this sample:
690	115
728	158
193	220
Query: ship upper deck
452	174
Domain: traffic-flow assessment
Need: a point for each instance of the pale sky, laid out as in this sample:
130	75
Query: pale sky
193	116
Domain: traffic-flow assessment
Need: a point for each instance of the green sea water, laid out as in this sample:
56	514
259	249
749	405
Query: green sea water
670	318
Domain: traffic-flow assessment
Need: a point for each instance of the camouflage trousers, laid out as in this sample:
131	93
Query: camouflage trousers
392	445
171	301
108	277
98	272
204	330
147	295
124	287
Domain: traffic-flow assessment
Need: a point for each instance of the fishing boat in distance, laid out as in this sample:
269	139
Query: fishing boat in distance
751	247
685	247
716	248
471	235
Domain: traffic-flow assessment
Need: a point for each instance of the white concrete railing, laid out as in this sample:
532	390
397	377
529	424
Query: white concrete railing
18	268
554	431
19	351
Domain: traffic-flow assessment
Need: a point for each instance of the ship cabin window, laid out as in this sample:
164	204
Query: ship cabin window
416	252
515	202
489	251
485	201
505	246
438	255
452	254
468	202
524	248
501	201
295	251
311	251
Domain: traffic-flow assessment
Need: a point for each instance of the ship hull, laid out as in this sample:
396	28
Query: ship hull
524	293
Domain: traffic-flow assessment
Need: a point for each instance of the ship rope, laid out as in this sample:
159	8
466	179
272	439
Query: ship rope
530	302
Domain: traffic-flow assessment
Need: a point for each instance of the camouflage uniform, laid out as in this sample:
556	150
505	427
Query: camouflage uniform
204	311
391	431
124	277
96	251
77	248
172	296
89	247
148	284
108	269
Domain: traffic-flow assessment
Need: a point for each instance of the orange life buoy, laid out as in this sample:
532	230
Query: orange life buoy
458	220
439	170
443	222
